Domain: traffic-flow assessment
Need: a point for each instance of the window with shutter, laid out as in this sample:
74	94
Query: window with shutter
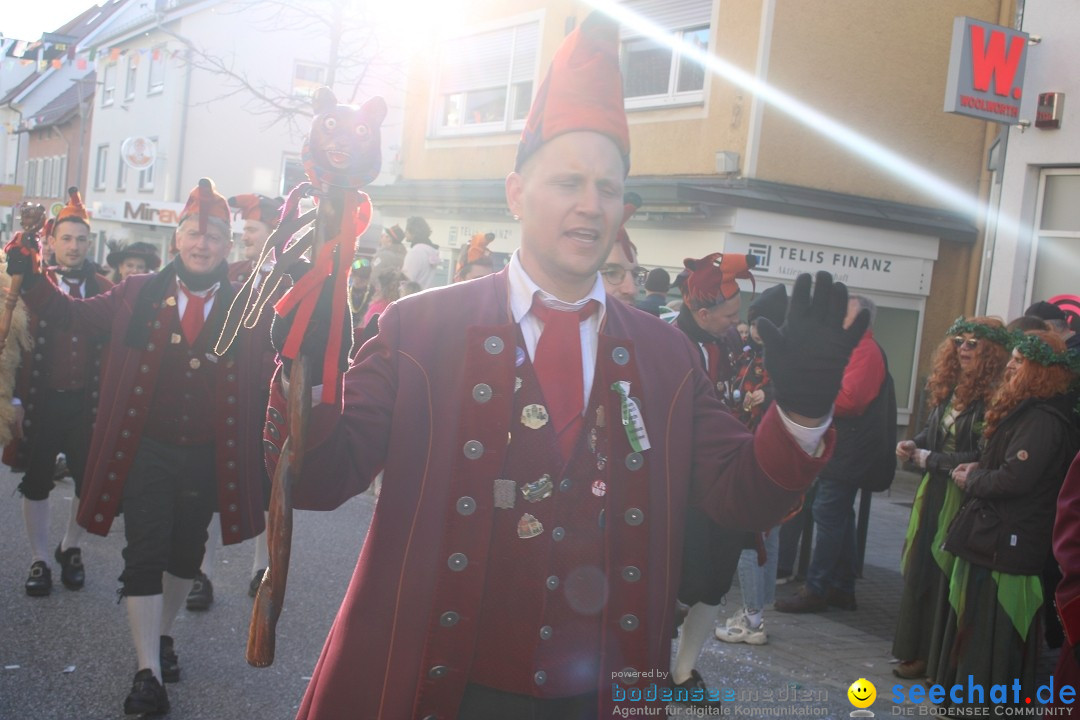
654	74
486	80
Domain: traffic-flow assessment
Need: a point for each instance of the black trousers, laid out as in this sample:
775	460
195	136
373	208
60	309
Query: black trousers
63	426
169	499
484	703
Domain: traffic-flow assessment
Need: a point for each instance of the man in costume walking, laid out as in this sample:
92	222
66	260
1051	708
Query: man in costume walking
541	442
57	388
168	439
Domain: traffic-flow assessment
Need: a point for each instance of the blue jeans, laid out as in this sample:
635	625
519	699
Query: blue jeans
832	564
758	582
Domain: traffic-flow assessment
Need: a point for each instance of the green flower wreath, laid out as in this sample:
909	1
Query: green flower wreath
1035	349
999	335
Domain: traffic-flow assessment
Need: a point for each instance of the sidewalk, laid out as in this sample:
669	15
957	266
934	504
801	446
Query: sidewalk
812	659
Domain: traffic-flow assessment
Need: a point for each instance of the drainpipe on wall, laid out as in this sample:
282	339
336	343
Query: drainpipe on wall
177	183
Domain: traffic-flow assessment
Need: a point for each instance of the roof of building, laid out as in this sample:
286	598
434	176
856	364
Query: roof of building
66	104
686	195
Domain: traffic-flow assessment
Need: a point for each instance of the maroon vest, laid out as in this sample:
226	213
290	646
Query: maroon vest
553	546
182	407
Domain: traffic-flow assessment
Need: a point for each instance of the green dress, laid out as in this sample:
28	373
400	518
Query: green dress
925	566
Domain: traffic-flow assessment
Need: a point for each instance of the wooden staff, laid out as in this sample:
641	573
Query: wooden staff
271	594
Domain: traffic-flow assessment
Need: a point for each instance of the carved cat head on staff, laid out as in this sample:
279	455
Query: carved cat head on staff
343	149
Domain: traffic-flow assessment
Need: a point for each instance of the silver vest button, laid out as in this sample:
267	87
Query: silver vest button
634	461
466	505
481	392
628	622
620	355
457	562
473	449
634	516
449	618
494	345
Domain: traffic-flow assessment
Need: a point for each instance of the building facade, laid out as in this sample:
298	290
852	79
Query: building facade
784	144
1033	246
182	81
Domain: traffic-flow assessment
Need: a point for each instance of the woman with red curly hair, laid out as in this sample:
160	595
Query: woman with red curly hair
1001	534
968	365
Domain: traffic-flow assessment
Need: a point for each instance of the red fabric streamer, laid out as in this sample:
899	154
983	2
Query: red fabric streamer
333	261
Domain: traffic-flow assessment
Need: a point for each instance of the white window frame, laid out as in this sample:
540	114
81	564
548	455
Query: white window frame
46	177
156	68
60	176
31	177
108	85
701	19
101	168
1038	233
146	175
131	77
121	173
508	123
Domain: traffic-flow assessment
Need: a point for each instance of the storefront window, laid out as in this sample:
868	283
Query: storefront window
1057	246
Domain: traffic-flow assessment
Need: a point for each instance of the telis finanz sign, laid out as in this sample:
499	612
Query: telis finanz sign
986	71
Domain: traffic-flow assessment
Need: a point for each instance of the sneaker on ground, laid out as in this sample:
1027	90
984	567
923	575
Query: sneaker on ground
737	629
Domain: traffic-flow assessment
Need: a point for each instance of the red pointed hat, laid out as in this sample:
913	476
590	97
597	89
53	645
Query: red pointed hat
582	91
206	202
711	279
74	210
631	202
258	207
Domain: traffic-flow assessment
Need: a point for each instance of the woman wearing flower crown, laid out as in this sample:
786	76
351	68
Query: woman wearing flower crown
968	365
1001	536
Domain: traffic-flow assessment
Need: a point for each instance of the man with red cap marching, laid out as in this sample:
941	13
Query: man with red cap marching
168	440
260	215
541	442
57	387
708	316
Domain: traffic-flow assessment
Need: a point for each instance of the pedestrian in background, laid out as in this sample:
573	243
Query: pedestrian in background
968	366
422	258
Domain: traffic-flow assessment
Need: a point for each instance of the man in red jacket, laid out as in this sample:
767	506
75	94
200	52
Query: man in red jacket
58	390
830	579
541	442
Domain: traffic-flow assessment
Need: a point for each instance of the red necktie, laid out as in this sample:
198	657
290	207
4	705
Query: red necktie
192	322
557	363
74	287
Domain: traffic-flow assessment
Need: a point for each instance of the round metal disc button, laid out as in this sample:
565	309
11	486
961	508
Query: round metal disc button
438	671
466	505
634	516
494	345
457	562
481	392
449	619
545	632
473	449
628	622
620	355
634	461
552	582
540	677
631	573
558	534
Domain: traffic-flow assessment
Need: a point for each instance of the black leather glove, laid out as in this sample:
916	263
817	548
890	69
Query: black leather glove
317	338
22	260
806	356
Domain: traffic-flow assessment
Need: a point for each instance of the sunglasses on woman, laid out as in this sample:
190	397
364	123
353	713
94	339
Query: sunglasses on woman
970	343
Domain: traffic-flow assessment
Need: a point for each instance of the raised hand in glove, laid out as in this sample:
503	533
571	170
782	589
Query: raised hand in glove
806	356
23	260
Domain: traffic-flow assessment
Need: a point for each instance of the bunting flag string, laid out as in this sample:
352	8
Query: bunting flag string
42	55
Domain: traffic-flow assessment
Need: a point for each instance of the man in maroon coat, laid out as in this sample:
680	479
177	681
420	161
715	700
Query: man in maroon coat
58	390
260	215
170	437
541	442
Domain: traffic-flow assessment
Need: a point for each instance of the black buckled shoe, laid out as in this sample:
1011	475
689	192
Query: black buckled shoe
71	568
253	588
147	696
202	593
39	584
694	692
170	663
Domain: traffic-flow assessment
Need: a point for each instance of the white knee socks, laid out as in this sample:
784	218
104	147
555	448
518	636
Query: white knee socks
144	618
262	553
74	534
175	593
696	629
36	518
213	542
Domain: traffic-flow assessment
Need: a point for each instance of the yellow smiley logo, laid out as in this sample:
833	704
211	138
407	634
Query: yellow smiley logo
862	693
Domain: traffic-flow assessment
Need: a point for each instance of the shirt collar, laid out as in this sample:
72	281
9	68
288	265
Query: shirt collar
523	288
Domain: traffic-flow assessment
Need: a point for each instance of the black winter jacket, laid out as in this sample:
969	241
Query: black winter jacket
1007	517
